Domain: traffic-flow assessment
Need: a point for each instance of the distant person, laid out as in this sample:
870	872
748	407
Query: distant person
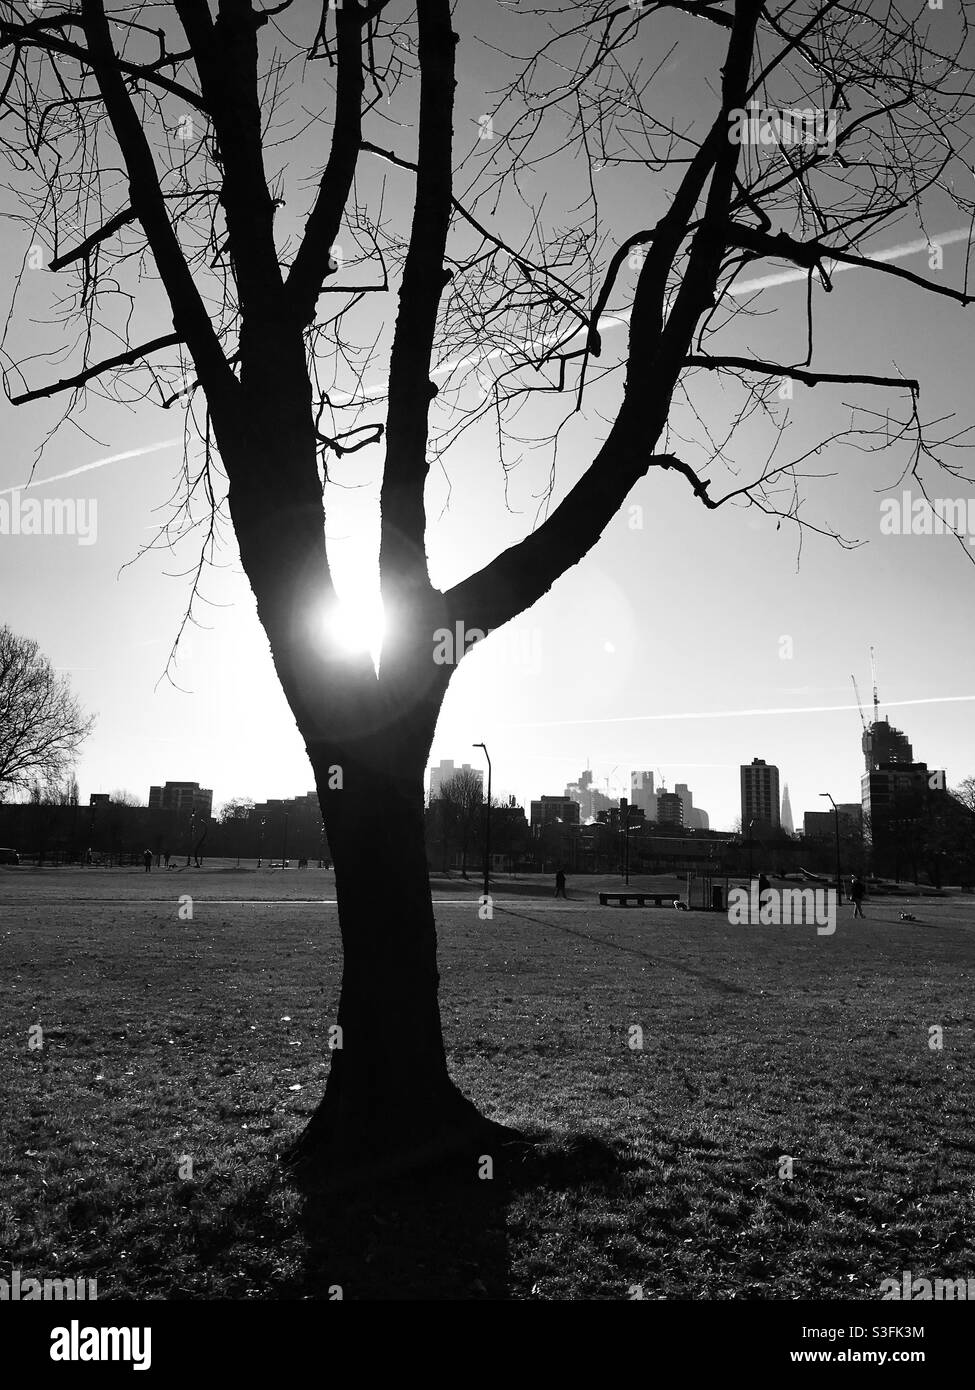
857	894
88	857
166	858
560	883
147	860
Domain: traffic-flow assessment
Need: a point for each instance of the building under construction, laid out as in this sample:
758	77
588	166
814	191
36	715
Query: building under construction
913	827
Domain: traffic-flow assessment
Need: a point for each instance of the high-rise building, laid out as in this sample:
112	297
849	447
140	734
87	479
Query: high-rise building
589	800
181	797
642	793
670	809
759	797
892	795
694	817
786	814
884	745
896	793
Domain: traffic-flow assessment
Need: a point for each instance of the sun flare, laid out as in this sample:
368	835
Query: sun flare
356	624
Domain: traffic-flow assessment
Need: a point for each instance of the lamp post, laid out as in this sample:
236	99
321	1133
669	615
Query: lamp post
189	847
751	844
487	823
260	839
625	825
836	811
284	852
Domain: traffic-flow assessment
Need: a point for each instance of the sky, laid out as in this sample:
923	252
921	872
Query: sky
687	642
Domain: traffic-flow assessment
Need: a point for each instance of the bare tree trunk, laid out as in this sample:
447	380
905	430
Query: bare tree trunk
389	1102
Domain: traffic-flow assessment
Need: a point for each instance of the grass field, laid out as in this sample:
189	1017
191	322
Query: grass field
169	1041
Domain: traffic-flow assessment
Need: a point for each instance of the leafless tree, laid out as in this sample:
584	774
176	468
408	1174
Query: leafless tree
176	154
42	725
460	802
121	797
965	793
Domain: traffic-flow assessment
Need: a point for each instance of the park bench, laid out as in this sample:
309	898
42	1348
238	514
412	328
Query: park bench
641	899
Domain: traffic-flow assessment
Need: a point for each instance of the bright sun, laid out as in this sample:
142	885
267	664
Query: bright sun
356	623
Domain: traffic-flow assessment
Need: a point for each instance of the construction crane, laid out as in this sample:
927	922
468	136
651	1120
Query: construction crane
873	672
863	717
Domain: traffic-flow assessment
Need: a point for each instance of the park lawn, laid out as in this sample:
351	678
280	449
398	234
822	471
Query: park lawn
657	1168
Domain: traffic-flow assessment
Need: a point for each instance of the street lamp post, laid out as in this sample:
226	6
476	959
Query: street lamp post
284	852
751	845
839	881
487	823
260	840
189	847
625	819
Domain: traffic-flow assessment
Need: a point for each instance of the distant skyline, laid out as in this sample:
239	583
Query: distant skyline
616	781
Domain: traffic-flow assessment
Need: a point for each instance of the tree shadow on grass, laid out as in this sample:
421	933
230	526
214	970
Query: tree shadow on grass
441	1235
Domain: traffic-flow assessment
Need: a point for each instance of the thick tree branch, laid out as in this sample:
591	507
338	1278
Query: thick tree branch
226	60
47	43
85	248
703	11
402	557
312	264
749	364
123	359
521	575
190	318
811	255
699	283
717	156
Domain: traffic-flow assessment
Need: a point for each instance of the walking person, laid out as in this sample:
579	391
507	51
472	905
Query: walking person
763	888
857	894
560	883
147	860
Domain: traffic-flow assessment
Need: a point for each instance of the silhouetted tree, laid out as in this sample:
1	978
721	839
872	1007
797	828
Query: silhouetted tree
460	807
148	148
42	725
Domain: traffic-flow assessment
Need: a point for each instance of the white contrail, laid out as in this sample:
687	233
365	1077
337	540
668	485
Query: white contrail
87	467
892	253
736	713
